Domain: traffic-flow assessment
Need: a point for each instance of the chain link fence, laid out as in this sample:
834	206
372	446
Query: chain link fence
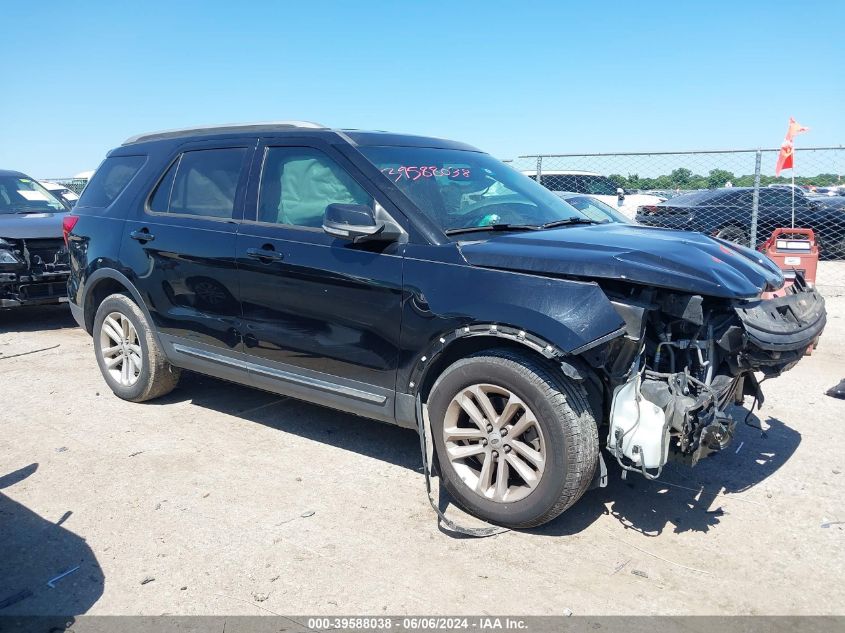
733	194
74	184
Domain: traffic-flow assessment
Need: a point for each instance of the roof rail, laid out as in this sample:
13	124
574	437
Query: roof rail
198	128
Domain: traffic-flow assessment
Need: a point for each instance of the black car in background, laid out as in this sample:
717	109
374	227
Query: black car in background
726	213
421	282
33	257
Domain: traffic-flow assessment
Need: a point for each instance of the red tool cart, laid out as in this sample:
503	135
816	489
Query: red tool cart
793	250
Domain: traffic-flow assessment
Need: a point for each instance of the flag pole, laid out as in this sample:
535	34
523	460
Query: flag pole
793	185
793	190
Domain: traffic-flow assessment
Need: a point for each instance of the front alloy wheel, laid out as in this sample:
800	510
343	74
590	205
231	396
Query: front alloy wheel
494	442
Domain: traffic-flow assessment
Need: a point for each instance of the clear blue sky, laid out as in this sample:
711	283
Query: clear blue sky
510	77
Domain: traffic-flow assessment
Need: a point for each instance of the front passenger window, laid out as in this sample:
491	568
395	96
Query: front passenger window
298	183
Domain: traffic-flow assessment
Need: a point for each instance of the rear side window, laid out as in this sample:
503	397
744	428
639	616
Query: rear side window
109	181
201	183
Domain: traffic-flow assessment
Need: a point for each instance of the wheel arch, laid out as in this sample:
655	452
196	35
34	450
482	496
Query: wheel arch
102	283
453	346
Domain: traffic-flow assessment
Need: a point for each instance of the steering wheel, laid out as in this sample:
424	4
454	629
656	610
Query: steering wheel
511	213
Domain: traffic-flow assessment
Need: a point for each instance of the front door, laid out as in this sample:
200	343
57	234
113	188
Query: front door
321	314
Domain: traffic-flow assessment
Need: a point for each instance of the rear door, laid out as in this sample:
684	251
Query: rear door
321	314
181	251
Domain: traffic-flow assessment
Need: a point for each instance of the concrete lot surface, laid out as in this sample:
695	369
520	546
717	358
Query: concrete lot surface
830	278
218	499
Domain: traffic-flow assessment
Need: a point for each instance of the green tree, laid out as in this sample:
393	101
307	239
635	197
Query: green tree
718	178
681	177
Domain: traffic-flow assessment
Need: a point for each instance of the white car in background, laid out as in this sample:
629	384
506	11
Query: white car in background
60	191
595	185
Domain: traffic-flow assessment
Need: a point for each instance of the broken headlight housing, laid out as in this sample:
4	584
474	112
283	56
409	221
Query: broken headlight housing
8	258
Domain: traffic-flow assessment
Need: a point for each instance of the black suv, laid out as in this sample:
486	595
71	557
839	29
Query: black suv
423	283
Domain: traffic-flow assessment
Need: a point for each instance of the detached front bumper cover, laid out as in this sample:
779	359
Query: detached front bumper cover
790	322
776	332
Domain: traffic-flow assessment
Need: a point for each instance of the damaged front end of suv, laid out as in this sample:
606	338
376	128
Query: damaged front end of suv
696	331
33	271
686	358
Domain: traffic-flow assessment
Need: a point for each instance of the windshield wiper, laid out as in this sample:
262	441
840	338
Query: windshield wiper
493	227
567	222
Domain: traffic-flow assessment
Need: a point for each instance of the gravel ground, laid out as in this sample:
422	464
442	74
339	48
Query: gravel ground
218	499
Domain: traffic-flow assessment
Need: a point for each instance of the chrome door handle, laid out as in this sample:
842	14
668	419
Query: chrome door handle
142	236
265	255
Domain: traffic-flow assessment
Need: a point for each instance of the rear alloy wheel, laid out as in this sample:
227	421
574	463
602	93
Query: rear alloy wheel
733	234
133	365
120	349
516	440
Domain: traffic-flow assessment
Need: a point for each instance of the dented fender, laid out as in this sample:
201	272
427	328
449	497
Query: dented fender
445	302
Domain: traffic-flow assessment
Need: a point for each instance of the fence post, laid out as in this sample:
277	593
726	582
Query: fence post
755	200
539	169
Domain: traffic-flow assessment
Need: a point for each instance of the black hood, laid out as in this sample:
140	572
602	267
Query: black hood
680	260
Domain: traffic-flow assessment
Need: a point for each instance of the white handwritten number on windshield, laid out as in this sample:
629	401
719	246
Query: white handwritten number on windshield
409	172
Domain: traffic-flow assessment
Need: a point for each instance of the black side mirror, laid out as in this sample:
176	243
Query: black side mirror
356	222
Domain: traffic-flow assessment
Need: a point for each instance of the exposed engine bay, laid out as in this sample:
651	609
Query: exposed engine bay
33	271
685	359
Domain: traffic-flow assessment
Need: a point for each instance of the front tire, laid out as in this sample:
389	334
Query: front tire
733	234
517	442
129	357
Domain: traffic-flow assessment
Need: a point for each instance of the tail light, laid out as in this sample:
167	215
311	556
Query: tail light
68	222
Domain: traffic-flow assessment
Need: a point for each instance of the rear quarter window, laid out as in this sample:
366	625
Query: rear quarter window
109	181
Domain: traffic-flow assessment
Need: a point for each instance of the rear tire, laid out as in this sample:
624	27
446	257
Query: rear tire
550	447
129	357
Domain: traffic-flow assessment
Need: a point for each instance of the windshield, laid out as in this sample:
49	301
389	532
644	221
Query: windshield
24	195
459	189
596	209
